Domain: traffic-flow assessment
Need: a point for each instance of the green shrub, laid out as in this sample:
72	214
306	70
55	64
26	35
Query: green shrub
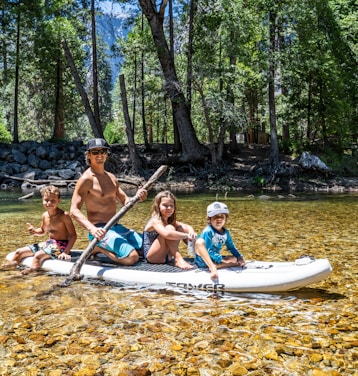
114	134
343	164
260	181
5	135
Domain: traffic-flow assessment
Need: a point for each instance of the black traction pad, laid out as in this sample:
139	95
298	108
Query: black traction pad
143	265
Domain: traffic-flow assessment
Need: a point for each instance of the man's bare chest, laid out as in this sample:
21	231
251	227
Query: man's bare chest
103	187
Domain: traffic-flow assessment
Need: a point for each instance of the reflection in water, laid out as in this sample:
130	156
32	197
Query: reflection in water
93	328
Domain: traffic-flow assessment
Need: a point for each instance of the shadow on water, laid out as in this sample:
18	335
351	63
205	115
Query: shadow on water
312	293
304	294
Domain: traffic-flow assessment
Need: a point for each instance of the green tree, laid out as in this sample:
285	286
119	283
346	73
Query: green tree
235	61
319	71
223	63
190	145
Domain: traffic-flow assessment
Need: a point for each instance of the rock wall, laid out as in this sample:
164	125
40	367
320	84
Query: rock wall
41	161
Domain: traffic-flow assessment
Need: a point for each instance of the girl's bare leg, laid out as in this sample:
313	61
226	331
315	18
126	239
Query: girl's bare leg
173	246
179	261
158	251
162	248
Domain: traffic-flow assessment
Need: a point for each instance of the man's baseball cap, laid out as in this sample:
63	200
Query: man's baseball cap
95	143
216	208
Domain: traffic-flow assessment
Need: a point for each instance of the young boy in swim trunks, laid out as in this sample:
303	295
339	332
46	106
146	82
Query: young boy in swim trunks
210	242
62	234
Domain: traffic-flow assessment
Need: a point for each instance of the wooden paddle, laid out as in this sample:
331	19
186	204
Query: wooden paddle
76	268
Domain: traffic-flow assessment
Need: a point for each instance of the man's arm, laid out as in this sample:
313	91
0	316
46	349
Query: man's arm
122	196
72	234
124	199
78	198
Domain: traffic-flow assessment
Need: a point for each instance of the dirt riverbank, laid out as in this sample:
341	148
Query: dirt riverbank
247	171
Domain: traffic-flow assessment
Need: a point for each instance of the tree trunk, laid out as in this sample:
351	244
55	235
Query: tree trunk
95	69
308	134
212	146
221	141
97	131
177	144
4	55
274	154
191	148
321	112
16	90
136	163
231	99
189	70
59	130
135	94
284	89
222	125
144	124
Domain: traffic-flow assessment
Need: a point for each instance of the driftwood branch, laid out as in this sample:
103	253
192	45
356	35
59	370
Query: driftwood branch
75	271
26	196
32	181
60	181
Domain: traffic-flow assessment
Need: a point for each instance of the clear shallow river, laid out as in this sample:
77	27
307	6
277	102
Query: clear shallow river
96	329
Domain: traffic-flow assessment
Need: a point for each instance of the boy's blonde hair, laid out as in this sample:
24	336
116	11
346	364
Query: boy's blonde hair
50	189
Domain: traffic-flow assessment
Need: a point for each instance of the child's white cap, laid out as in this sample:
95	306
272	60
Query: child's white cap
216	208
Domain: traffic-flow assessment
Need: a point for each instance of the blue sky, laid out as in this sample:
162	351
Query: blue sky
115	9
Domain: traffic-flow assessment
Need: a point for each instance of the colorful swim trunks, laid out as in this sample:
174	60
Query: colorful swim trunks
51	247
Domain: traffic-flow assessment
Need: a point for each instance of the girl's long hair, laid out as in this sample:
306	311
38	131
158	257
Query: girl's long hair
155	207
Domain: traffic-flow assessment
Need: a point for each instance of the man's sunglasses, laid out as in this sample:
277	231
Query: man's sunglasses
100	151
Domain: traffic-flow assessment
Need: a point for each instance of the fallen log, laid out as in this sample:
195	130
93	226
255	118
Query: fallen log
32	181
62	181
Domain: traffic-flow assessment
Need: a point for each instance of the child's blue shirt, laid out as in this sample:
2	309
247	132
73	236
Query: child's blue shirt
214	241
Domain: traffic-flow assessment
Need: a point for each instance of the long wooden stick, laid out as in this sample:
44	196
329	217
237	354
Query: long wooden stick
76	268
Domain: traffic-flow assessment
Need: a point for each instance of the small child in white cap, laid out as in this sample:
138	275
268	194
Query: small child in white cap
210	242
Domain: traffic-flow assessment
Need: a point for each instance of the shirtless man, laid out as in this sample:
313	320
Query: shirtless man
99	190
